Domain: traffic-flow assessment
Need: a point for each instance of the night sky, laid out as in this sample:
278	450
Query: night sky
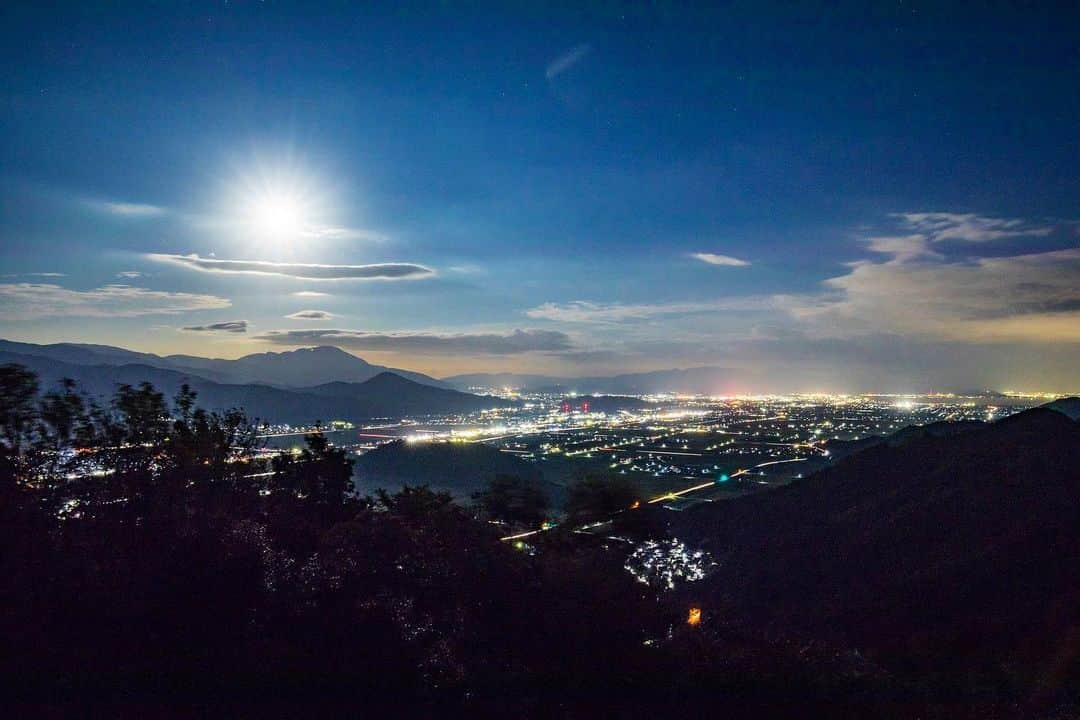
864	196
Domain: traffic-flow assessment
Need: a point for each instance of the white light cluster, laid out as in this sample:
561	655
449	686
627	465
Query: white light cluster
664	563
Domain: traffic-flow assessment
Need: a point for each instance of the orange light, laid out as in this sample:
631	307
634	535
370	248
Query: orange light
636	505
694	618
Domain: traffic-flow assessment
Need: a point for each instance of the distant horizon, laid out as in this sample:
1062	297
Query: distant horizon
1046	393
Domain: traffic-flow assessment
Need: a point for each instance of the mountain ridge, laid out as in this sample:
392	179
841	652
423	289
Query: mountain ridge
260	400
300	368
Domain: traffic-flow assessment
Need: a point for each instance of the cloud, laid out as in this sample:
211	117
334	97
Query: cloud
581	311
326	232
310	315
1032	298
714	259
37	300
37	274
129	274
310	293
467	269
425	343
233	326
127	209
902	247
921	294
378	271
567	60
969	227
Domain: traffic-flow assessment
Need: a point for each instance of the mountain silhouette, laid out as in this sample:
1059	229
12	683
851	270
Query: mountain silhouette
292	368
386	395
391	394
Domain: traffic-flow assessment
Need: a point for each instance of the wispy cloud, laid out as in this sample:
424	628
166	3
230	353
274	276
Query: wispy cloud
581	311
509	343
567	60
232	326
129	274
37	274
714	259
969	227
901	248
128	209
310	315
378	271
327	232
467	269
38	300
310	293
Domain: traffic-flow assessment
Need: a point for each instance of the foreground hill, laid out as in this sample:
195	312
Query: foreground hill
955	558
382	396
292	368
840	449
457	468
1069	406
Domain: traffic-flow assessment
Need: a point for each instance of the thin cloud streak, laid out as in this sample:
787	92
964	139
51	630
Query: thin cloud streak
128	209
233	326
377	271
341	233
567	60
426	343
41	300
310	315
714	259
582	311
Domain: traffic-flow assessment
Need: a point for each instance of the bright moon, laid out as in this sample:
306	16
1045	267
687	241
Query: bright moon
277	214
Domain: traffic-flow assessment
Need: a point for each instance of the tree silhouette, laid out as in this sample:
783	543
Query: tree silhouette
512	500
18	393
596	497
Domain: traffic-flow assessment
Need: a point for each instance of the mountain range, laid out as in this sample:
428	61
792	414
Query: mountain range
308	367
383	395
291	369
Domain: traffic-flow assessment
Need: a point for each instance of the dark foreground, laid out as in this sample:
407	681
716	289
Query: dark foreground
182	580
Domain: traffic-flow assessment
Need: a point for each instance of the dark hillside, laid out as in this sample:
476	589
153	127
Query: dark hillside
1069	406
956	558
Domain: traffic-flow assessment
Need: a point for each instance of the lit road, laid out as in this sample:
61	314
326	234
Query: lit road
667	496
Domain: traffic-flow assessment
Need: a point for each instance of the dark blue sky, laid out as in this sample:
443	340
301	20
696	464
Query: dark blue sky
835	197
